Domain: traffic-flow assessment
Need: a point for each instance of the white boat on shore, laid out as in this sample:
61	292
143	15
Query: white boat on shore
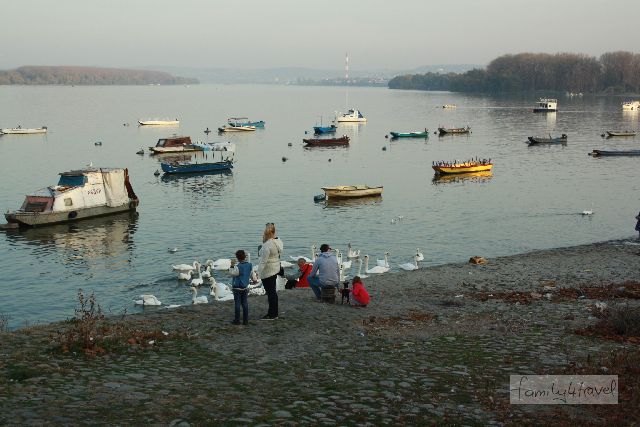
353	116
23	131
79	194
175	122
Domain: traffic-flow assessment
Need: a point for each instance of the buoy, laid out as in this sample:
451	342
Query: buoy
319	198
386	136
141	151
329	159
305	132
98	143
284	159
603	135
289	144
384	148
207	131
157	172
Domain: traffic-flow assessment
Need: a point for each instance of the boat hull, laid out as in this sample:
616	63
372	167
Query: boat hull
597	153
454	131
328	142
258	124
620	133
20	131
39	219
455	169
236	128
424	134
162	150
545	110
196	167
351	191
320	130
542	140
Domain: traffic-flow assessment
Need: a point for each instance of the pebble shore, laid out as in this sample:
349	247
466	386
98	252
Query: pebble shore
428	350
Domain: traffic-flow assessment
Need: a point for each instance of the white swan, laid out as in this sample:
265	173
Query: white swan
352	253
221	292
221	264
409	266
312	259
198	280
206	274
384	262
286	264
147	299
419	255
184	275
362	276
256	288
198	299
184	267
378	269
344	264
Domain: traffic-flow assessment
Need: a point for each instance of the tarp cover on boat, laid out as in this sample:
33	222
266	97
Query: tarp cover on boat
114	189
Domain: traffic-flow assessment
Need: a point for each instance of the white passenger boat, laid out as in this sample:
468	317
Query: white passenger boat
351	116
23	131
546	105
175	122
79	194
631	105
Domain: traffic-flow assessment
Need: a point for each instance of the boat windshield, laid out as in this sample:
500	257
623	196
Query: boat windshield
72	180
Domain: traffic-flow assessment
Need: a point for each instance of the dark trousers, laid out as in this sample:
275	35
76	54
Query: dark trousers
269	285
240	299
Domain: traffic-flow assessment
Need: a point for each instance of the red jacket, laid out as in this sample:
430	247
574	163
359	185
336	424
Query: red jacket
302	281
360	294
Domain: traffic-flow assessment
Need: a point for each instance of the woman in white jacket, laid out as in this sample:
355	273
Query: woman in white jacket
269	267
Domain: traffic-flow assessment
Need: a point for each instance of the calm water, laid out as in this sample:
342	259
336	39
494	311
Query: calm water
532	201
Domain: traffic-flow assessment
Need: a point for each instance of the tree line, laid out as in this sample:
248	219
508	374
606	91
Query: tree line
42	75
613	72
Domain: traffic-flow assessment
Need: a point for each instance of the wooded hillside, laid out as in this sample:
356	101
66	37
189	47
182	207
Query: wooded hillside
613	72
43	75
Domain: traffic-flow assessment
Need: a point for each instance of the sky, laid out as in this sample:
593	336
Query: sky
254	34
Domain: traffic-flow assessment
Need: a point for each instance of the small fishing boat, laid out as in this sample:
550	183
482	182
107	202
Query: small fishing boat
326	142
175	122
173	168
230	128
79	194
353	116
449	106
351	191
611	133
417	134
454	131
23	131
442	168
320	130
215	146
546	105
631	106
562	139
597	153
174	144
244	121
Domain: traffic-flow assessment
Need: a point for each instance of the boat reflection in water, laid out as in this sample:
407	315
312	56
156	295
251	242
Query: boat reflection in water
199	184
83	241
352	202
462	177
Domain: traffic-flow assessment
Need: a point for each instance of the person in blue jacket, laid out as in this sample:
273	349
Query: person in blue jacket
242	274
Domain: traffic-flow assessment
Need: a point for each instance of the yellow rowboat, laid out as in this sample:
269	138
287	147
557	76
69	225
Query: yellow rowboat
349	191
466	167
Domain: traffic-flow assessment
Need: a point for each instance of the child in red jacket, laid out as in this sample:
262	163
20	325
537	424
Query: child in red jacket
359	293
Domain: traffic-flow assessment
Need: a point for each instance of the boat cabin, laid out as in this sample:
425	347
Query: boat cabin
175	141
546	104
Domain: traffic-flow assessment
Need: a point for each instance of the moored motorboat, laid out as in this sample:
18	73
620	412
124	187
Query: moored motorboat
23	131
454	131
79	194
631	105
326	142
320	130
611	133
175	122
351	191
244	121
354	116
546	105
174	144
231	128
173	168
417	134
449	106
598	153
455	167
562	139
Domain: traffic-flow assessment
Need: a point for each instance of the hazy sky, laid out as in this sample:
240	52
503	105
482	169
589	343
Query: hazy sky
281	33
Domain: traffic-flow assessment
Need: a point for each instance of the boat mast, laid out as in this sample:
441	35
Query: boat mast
346	80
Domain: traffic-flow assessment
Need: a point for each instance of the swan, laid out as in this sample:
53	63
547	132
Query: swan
184	267
286	264
184	275
256	288
173	250
588	212
352	253
362	276
346	264
409	266
221	292
147	299
198	280
378	269
419	255
312	259
221	264
198	299
206	274
384	262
